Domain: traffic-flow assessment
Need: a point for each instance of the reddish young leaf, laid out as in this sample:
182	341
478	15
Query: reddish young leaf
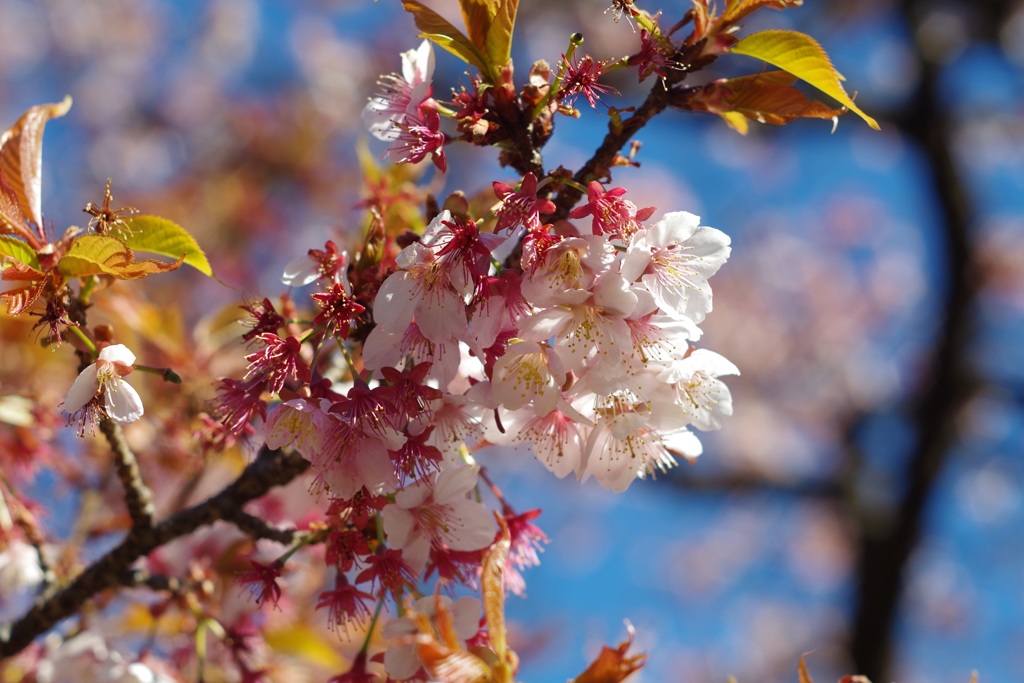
802	56
21	157
22	296
492	579
738	9
613	664
767	97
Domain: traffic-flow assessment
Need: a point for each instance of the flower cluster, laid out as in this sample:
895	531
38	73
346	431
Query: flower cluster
574	339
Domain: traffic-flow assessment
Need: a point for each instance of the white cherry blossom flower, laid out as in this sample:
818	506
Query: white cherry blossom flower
400	659
704	398
674	259
102	380
529	373
437	509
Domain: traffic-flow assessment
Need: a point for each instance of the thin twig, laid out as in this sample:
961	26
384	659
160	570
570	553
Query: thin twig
137	495
619	133
270	469
257	528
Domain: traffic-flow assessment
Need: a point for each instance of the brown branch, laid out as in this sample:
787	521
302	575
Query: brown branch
618	135
886	547
270	469
257	528
137	495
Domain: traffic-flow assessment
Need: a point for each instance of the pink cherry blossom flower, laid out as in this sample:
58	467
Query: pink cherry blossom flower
437	510
298	423
278	361
426	290
612	215
327	263
351	458
622	448
590	327
405	113
522	206
401	96
419	136
580	78
566	269
261	580
102	380
527	540
653	57
346	605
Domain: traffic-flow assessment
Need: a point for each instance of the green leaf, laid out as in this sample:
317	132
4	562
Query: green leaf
18	250
442	32
802	56
161	236
105	255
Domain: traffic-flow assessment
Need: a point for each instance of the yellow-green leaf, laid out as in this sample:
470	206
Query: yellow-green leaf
18	250
300	640
105	255
21	160
492	585
443	33
737	9
161	236
802	56
490	24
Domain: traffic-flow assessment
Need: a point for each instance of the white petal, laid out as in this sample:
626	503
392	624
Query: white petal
118	353
453	484
300	272
469	526
82	391
466	615
398	525
122	402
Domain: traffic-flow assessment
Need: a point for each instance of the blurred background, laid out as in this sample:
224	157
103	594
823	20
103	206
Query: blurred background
864	501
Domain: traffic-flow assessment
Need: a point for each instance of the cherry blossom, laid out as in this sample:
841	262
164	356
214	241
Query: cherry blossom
438	510
674	259
401	96
121	403
704	398
400	659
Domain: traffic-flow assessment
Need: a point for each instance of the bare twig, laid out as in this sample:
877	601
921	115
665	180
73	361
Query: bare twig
619	133
270	469
885	548
257	528
137	495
